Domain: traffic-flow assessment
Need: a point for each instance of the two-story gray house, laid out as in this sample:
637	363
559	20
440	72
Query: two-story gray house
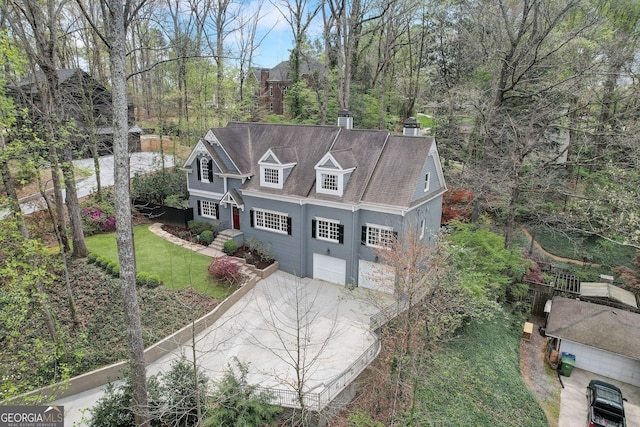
321	198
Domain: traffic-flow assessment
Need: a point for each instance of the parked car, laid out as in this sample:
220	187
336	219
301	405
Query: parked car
606	405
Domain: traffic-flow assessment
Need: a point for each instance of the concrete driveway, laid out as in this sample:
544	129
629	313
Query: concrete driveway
261	330
573	400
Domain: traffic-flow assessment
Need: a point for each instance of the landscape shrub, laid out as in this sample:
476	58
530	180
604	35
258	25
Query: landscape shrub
91	258
224	270
115	271
230	247
173	400
260	249
206	237
97	217
142	278
111	267
153	281
197	226
157	187
102	261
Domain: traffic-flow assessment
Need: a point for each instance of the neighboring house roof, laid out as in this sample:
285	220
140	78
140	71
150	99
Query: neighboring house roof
282	71
609	291
384	169
595	325
63	75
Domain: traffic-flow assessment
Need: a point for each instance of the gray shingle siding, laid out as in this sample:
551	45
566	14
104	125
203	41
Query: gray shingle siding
286	248
434	180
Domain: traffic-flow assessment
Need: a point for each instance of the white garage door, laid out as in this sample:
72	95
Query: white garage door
604	363
373	275
330	269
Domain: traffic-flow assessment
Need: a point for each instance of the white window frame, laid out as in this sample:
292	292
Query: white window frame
332	229
422	227
330	181
262	218
271	90
204	169
208	205
272	176
374	233
427	179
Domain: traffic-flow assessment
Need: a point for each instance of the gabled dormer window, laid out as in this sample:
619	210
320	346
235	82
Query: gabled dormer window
275	166
271	176
329	182
331	175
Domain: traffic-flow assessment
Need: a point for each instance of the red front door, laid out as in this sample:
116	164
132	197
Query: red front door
236	218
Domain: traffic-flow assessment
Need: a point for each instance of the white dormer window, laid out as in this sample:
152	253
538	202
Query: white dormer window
273	171
329	182
271	176
331	176
426	181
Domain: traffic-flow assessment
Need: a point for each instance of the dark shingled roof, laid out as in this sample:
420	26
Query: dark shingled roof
400	169
595	325
387	168
282	71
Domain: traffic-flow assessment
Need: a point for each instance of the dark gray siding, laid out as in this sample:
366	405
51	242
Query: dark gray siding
343	250
434	180
217	186
287	249
370	217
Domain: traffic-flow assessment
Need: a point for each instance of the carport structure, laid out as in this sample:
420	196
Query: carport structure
604	340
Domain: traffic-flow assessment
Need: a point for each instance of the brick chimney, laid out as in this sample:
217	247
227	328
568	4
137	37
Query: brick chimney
411	127
345	119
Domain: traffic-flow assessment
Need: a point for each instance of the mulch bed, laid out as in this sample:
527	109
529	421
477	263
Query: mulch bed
250	257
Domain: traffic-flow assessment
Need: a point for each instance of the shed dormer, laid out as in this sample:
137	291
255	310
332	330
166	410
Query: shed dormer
333	172
276	165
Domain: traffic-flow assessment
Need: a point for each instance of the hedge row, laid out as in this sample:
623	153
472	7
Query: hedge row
142	278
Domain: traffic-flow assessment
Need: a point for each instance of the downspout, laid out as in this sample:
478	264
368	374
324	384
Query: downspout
354	246
303	255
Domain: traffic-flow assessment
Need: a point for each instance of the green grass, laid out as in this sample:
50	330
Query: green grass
178	267
476	381
590	248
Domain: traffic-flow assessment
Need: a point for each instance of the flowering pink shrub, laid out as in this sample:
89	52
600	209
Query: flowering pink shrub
98	219
223	269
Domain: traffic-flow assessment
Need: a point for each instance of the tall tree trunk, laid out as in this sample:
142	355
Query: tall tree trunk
58	198
124	232
73	205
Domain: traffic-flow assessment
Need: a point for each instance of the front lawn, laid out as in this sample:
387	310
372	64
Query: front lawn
177	267
476	381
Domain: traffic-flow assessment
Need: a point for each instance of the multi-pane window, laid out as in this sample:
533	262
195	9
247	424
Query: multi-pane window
379	236
426	181
208	209
271	176
271	220
271	106
329	182
328	230
204	170
270	90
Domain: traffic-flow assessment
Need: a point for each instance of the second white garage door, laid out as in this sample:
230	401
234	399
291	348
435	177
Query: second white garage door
329	269
373	275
